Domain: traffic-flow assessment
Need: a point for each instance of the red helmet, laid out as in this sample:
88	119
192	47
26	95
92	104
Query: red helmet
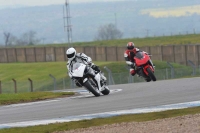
130	45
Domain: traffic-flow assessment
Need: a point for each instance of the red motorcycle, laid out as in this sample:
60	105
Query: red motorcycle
144	66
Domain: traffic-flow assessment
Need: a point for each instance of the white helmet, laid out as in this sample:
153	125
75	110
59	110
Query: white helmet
71	53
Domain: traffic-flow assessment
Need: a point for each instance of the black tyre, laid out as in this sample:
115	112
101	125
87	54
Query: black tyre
151	74
148	80
106	91
89	85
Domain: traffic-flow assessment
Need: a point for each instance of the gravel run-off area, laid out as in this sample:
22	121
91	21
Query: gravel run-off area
181	124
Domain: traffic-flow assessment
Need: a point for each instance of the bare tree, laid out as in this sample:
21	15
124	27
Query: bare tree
12	40
6	38
31	38
28	38
108	32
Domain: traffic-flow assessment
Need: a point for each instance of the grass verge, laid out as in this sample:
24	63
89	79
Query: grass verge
102	121
6	99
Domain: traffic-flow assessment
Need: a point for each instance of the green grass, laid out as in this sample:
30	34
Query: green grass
41	71
139	42
35	71
102	121
6	99
149	41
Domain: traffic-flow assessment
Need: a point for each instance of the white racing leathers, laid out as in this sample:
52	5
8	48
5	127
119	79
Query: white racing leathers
82	58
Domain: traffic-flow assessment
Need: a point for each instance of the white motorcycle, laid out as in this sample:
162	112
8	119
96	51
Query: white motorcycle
83	75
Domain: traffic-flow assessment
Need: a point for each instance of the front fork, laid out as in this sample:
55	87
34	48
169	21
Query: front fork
151	63
98	79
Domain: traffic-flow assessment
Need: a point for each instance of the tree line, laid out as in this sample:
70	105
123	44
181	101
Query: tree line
105	32
27	38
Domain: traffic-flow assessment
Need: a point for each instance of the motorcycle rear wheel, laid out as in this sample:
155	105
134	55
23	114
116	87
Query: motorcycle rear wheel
91	88
148	79
151	74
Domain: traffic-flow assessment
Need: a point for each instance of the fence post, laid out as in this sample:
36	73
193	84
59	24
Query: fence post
0	88
161	51
131	78
6	52
166	73
172	69
54	80
110	77
193	66
63	83
72	83
31	84
15	85
106	53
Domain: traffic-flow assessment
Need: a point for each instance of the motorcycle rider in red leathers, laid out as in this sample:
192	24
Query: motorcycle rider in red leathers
129	56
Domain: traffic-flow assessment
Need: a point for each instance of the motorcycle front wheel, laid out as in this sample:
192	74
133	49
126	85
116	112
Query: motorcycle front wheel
106	91
151	74
90	87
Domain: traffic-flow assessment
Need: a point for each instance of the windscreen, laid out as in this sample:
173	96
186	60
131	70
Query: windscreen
139	55
76	65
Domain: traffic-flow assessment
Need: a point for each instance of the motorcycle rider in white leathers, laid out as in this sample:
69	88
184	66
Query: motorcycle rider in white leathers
74	57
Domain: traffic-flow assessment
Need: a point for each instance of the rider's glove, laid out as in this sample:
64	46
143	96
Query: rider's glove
146	53
89	63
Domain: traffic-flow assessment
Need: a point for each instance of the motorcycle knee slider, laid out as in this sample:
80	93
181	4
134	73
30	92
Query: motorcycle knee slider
132	72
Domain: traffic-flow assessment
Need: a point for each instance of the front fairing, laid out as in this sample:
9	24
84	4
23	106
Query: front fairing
78	69
141	58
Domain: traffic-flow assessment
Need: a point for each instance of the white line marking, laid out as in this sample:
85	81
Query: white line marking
25	104
85	93
103	115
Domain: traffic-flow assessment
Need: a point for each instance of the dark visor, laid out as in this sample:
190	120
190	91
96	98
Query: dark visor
130	47
70	55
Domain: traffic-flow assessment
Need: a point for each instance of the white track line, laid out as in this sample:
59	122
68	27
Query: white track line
103	115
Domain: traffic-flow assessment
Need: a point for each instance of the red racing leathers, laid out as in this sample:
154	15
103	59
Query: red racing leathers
129	58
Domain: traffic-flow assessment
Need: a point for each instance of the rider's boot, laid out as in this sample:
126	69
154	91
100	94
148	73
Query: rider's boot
98	79
96	68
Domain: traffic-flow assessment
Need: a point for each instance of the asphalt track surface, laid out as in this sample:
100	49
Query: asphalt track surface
122	97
